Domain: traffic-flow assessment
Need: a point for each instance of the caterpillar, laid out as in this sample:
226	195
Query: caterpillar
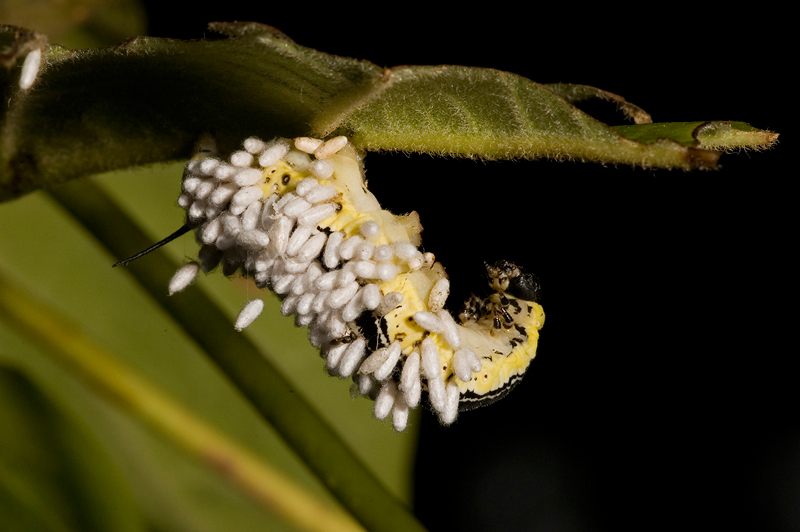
296	216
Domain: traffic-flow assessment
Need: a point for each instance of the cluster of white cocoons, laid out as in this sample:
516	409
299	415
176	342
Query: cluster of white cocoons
326	279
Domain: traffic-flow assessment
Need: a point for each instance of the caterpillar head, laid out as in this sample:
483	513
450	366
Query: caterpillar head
503	329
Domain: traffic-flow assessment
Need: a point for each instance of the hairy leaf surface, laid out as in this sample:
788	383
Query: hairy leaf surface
149	99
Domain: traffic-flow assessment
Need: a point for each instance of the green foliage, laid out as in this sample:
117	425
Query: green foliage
149	99
54	474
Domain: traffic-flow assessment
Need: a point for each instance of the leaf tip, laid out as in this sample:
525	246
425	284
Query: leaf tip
729	136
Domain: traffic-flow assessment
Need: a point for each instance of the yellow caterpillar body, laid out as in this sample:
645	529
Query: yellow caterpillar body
297	217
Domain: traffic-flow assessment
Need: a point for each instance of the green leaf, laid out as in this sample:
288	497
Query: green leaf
149	99
84	24
116	383
579	93
716	135
54	475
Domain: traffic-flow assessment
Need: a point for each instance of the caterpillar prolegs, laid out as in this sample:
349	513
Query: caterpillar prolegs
296	216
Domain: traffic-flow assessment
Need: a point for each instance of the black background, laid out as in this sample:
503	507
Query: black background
663	394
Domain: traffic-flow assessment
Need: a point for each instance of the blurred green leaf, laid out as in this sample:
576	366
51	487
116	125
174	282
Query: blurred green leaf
149	99
54	475
78	23
116	383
